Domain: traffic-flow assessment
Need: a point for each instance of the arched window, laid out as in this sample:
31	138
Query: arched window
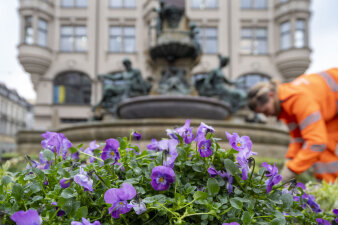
72	88
245	82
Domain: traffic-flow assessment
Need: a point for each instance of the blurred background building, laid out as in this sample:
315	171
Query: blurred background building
15	114
65	44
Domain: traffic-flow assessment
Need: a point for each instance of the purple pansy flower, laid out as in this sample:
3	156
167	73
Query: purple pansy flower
83	180
111	150
172	134
335	211
169	151
118	198
44	164
154	145
65	182
90	150
311	201
274	177
162	177
202	130
232	223
60	212
321	221
139	206
212	171
186	132
301	185
204	148
85	222
242	159
30	217
56	142
137	136
239	143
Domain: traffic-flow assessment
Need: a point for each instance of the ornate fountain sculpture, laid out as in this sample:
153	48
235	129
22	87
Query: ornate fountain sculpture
176	52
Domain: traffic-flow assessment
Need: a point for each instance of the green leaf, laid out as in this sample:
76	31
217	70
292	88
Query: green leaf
246	218
278	221
68	193
82	212
35	187
236	203
287	200
37	198
230	166
17	191
213	187
48	154
197	168
200	195
72	150
5	180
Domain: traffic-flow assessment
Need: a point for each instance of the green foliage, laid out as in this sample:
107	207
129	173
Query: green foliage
194	198
326	194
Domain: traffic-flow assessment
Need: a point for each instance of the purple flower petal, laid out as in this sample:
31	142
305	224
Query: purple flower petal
30	217
85	222
118	197
139	207
162	177
239	143
137	136
65	183
204	148
83	180
110	150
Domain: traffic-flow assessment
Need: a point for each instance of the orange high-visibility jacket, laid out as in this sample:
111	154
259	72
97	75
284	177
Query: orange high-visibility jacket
309	107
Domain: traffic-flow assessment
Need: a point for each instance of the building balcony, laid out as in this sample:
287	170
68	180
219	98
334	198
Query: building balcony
293	62
44	6
290	7
34	59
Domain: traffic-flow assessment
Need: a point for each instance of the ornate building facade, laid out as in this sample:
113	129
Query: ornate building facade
15	114
65	44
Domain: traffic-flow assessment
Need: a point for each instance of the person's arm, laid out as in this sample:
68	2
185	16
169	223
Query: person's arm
313	131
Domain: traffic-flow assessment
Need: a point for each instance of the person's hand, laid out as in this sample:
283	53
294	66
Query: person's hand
286	173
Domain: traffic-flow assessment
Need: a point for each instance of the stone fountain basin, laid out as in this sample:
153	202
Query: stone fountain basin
173	107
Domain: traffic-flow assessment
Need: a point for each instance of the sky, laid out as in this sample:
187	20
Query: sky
323	41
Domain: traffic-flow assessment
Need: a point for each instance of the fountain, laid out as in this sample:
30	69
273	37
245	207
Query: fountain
169	97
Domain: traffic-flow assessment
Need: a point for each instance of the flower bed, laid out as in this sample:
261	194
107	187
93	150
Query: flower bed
185	179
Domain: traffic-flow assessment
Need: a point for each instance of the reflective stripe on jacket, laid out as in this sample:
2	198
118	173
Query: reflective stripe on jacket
310	110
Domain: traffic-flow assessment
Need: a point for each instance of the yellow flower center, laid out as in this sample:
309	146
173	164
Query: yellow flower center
202	147
121	203
112	153
161	179
239	144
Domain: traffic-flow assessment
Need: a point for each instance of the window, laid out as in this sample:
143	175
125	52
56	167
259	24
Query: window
207	37
254	4
300	34
121	39
245	82
204	4
72	88
74	3
29	32
254	41
122	3
42	32
73	38
285	37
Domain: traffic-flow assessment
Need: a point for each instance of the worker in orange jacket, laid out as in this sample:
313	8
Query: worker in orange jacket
309	107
